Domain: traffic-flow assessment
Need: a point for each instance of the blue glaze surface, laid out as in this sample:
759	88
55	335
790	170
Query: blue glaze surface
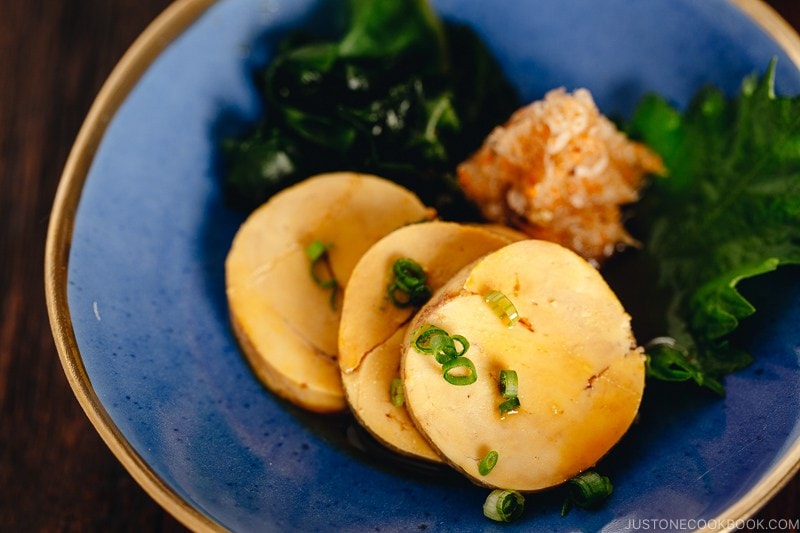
147	302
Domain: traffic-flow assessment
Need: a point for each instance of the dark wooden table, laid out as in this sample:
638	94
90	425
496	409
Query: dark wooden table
55	472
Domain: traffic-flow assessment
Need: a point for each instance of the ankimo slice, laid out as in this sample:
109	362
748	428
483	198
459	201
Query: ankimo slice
373	326
552	321
285	321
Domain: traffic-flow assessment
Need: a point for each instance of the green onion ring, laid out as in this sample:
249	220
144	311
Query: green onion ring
423	338
509	383
509	406
502	307
432	340
413	298
589	488
409	274
394	290
316	252
488	462
444	349
504	505
406	284
463	342
459	362
396	392
409	287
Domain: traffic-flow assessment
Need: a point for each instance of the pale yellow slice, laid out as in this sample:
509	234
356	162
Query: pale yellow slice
284	321
372	327
581	375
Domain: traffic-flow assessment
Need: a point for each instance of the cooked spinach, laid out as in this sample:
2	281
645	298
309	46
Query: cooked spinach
401	94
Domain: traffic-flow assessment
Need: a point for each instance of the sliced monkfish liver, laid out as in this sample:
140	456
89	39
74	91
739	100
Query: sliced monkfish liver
284	321
372	327
580	373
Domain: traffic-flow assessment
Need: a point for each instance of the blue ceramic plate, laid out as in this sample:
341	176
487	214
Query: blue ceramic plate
136	291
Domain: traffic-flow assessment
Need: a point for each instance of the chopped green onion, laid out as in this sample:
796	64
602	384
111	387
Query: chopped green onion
408	273
432	340
587	489
504	505
463	342
317	253
509	406
409	287
509	388
509	383
424	337
396	392
415	298
459	379
502	307
444	349
488	462
316	250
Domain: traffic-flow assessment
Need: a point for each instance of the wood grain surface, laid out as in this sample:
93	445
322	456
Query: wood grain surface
55	472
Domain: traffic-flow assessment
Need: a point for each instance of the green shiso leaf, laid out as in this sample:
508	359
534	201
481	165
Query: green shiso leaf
729	210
